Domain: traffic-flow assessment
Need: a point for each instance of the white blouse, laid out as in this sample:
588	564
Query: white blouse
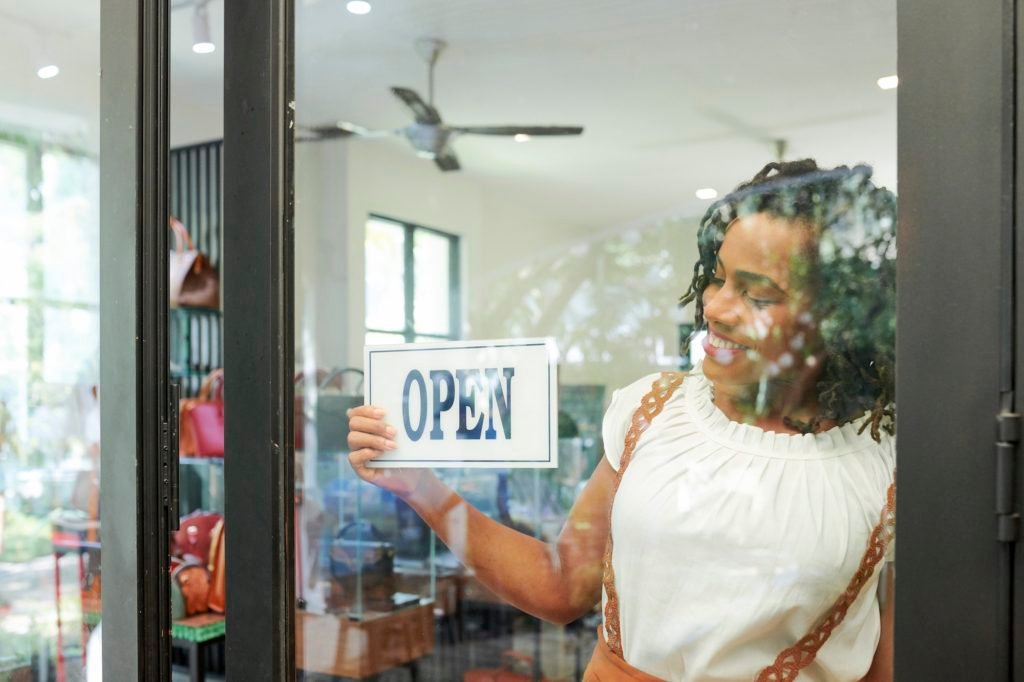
731	542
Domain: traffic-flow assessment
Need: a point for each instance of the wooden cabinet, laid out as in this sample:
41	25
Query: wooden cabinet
336	645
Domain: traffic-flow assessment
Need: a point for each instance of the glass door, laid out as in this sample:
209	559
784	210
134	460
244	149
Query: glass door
50	317
84	411
695	210
695	206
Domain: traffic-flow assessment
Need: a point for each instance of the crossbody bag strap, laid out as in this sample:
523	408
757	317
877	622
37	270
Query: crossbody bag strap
650	407
792	660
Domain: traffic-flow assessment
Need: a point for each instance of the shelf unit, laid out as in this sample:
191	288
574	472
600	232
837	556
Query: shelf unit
196	334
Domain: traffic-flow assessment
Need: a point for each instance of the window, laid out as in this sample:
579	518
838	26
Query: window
412	283
49	411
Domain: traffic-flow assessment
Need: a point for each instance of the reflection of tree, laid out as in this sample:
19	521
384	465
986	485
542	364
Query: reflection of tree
604	301
7	440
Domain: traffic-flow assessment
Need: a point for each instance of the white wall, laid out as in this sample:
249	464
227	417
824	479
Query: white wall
606	293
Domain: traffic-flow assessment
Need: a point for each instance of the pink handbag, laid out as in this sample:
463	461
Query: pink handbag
201	431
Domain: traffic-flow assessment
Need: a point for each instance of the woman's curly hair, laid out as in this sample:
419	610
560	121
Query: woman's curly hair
854	273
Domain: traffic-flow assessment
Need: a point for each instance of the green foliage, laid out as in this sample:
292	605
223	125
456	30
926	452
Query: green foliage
25	537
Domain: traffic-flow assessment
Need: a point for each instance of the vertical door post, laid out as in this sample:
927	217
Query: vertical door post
258	355
134	397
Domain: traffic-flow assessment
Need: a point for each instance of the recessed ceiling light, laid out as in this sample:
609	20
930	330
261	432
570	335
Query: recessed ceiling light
888	82
203	48
48	71
358	7
707	193
521	137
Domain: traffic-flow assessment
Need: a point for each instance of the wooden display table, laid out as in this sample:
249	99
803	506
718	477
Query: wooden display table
196	633
334	644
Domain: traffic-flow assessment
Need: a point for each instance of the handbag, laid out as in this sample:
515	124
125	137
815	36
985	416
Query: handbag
201	428
332	406
190	590
361	557
218	577
194	282
194	535
299	406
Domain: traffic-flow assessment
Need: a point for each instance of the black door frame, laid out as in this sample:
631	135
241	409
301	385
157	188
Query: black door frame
955	337
137	413
258	356
956	344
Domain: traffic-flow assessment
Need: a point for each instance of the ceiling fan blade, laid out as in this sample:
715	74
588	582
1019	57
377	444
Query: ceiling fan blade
325	132
532	131
423	112
447	161
343	129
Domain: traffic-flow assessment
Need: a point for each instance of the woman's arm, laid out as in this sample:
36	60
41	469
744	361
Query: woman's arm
881	666
556	582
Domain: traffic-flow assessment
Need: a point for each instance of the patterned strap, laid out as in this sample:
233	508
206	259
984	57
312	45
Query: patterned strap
792	660
650	407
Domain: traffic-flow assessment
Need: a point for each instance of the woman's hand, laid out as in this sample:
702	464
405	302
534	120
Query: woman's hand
370	436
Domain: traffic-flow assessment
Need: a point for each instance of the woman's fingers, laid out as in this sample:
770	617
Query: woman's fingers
367	425
358	458
358	440
369	411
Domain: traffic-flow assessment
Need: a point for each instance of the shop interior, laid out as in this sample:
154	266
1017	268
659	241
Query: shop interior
587	237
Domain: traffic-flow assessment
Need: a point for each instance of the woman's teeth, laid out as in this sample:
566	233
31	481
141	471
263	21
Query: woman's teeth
719	342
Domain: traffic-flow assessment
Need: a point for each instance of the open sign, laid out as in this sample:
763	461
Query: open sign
467	403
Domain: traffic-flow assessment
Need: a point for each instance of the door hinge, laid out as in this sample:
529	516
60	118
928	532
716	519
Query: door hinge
1007	516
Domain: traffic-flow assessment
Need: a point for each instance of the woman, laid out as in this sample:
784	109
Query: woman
748	538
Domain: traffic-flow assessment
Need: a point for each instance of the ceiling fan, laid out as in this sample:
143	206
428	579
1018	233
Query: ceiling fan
428	134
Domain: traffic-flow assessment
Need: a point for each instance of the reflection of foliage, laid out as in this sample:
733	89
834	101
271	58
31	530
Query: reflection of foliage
854	272
25	537
8	436
605	302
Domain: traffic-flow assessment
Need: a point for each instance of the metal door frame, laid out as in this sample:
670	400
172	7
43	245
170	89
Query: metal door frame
258	355
137	412
955	340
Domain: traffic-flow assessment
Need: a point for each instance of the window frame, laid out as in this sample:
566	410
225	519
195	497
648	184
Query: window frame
409	271
35	300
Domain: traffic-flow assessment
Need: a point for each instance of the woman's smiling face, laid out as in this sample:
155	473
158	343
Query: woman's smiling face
758	304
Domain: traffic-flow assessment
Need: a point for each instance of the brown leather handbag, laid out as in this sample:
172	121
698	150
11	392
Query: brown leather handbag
194	282
190	590
218	578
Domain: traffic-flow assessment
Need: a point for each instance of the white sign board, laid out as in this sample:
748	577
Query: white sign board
467	403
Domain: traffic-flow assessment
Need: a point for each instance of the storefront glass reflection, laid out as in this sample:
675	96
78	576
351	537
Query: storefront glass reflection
50	582
704	222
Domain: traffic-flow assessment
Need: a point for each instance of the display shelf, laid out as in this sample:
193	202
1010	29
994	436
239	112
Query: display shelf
196	341
201	461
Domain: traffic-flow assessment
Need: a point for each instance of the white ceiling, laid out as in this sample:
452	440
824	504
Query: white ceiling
674	94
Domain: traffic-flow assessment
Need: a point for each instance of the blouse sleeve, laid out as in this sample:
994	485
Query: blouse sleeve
618	415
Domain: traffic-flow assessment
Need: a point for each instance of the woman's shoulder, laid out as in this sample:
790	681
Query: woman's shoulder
624	402
629	396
